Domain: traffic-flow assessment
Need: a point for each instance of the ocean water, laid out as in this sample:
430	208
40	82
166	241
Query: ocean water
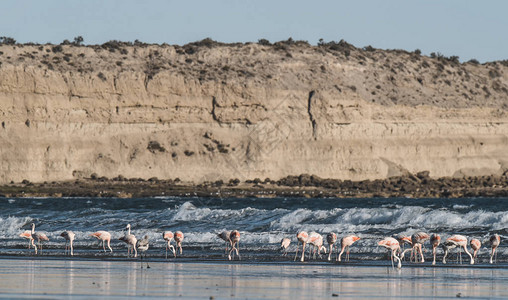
262	222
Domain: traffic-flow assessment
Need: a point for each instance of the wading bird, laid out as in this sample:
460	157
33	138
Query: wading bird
454	241
130	240
403	240
435	240
302	237
331	238
142	246
168	237
475	245
69	238
284	245
392	245
417	240
178	240
27	234
316	240
40	237
235	239
495	240
225	237
346	242
103	236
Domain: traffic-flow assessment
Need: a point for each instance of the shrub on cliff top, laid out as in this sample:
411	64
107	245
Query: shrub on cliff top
5	40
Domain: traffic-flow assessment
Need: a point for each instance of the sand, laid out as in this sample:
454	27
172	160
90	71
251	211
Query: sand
28	278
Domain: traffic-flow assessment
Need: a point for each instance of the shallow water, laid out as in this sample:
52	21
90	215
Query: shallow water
262	222
59	278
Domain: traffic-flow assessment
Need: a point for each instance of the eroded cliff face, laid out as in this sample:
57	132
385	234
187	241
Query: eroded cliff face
245	111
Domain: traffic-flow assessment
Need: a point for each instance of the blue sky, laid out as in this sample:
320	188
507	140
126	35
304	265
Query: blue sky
469	29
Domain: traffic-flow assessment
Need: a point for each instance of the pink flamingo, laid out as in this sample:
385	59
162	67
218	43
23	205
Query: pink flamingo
392	245
178	240
403	240
225	237
302	237
235	239
475	245
346	242
456	241
40	237
168	236
130	240
435	240
27	234
284	245
417	240
494	240
331	238
69	238
103	236
316	240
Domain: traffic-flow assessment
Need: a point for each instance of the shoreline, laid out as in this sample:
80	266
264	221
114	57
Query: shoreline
418	185
86	279
383	263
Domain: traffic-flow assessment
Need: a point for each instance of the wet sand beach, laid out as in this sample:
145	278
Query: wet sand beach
82	279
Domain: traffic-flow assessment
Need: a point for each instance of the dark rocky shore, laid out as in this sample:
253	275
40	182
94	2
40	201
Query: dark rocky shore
418	185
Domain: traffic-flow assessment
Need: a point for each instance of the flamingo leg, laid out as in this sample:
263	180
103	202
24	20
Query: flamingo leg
347	253
341	252
296	254
303	252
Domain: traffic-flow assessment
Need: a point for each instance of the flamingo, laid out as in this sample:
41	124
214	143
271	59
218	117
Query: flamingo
142	246
417	240
130	240
103	236
225	237
302	237
69	238
178	240
494	240
435	239
456	241
235	239
284	245
403	240
27	234
346	242
392	245
40	237
168	236
331	238
475	245
316	240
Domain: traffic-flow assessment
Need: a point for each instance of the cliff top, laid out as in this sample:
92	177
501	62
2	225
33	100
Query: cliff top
385	77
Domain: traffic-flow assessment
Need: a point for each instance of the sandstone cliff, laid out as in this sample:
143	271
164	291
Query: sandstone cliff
209	111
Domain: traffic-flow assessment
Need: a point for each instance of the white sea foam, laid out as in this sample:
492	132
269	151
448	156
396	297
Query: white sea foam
11	226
